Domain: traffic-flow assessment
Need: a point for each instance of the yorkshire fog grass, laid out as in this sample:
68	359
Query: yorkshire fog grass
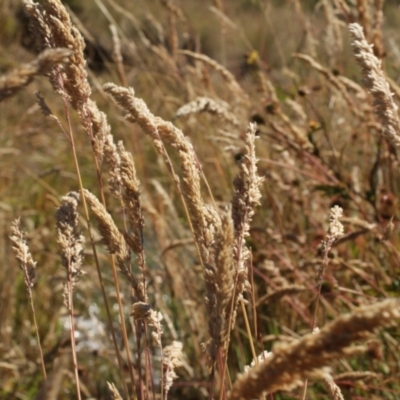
199	201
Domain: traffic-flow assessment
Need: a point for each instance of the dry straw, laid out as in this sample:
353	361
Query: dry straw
114	391
115	243
22	254
298	134
201	218
333	36
143	312
375	81
71	243
335	232
377	34
333	81
70	239
208	105
50	388
292	363
172	359
357	375
131	201
239	94
364	16
117	54
28	266
113	161
334	391
206	223
24	74
245	199
277	294
220	280
51	24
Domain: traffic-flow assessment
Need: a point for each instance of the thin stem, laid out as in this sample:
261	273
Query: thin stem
37	333
314	320
209	189
162	376
221	368
225	364
149	368
253	299
138	340
72	333
248	329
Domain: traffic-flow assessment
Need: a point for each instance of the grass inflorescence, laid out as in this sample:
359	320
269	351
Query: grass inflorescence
221	197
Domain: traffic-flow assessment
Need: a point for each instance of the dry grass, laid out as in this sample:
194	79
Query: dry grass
209	240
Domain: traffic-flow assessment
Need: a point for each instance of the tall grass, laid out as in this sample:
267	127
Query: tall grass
241	219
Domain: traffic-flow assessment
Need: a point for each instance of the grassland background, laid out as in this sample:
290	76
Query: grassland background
349	165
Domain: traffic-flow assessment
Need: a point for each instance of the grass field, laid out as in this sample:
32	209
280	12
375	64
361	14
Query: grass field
199	199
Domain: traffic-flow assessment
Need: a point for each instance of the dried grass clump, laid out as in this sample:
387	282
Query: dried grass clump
290	364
